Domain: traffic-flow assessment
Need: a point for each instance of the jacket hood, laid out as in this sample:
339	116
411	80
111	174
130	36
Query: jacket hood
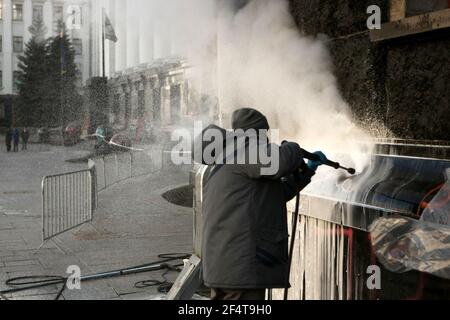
248	118
201	143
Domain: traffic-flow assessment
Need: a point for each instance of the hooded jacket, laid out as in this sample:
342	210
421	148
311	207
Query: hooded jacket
245	235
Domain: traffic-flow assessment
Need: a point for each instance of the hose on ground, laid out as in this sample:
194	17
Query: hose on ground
21	284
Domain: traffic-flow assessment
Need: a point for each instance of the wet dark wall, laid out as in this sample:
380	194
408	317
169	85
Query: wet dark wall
403	84
418	87
333	17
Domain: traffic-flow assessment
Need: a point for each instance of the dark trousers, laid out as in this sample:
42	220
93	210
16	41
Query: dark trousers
16	147
238	294
8	147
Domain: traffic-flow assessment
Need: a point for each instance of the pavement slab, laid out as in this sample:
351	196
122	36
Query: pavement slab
132	226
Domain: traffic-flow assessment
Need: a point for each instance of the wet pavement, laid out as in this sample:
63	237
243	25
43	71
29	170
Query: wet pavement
132	226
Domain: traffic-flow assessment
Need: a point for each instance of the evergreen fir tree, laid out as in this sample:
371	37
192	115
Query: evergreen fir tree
63	97
32	79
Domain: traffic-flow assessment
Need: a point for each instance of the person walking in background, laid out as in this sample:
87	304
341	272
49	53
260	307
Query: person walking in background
16	139
25	137
100	134
8	139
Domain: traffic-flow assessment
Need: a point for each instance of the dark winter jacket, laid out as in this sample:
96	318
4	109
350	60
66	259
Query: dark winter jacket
25	136
245	236
8	136
16	136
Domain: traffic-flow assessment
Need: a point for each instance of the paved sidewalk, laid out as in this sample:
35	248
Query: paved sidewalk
132	226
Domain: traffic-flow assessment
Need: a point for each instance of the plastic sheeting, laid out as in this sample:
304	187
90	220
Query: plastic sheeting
438	210
403	244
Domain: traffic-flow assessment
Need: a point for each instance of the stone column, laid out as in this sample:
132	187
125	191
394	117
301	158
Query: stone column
7	48
121	32
48	17
146	32
112	46
148	98
120	116
157	101
162	47
134	100
96	13
132	27
183	105
124	105
166	115
27	19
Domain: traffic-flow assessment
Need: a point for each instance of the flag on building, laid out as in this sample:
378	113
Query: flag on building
110	33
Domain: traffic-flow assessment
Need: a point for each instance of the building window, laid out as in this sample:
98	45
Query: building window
17	14
1	9
16	80
38	13
58	15
2	111
1	79
1	43
79	70
18	44
78	46
76	14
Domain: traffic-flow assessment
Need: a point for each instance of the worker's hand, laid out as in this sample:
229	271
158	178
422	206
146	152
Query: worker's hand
314	165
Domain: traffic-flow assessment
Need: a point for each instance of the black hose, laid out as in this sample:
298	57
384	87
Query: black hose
21	284
25	281
164	286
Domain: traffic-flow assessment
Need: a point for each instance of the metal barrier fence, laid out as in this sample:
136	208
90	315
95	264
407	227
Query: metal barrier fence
68	201
114	168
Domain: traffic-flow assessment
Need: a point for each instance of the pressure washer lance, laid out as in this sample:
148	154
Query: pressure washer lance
329	163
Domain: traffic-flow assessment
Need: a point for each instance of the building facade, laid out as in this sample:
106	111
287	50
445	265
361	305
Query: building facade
147	30
16	18
156	94
139	61
147	84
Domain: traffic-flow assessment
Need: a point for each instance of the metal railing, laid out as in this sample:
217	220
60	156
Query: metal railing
114	168
68	201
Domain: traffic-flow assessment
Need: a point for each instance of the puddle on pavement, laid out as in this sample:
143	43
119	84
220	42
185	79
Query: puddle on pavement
182	196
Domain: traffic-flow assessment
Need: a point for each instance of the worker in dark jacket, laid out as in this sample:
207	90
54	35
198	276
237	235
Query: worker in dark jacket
245	235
